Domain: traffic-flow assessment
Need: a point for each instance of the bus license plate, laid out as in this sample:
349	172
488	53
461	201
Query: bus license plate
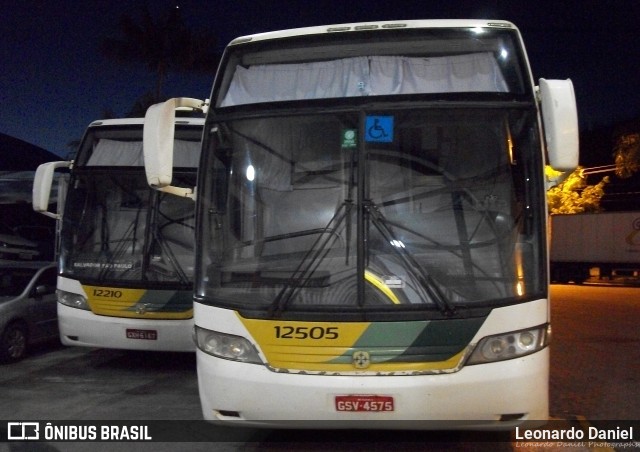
150	335
364	403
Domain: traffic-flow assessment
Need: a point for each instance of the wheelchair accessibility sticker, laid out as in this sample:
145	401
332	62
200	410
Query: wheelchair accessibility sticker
379	129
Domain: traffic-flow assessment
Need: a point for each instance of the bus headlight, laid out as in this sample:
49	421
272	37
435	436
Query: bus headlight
73	300
226	346
510	345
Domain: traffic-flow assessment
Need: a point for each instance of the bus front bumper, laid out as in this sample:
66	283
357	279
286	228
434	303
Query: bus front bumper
83	328
495	396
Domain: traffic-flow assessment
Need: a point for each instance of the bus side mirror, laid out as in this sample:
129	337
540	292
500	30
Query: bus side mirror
42	183
157	144
560	121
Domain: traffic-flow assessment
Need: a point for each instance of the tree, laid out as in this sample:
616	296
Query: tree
627	154
574	195
161	46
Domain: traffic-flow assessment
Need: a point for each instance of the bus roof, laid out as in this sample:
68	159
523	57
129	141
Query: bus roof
382	25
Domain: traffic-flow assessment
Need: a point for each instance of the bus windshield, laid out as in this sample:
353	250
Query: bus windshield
118	230
403	208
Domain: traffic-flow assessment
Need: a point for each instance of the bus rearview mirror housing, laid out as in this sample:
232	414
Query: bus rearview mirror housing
560	119
42	183
159	128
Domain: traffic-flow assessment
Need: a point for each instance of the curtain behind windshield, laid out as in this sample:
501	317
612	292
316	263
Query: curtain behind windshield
107	152
365	76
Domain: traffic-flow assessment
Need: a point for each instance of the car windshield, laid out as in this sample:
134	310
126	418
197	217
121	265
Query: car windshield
397	209
13	281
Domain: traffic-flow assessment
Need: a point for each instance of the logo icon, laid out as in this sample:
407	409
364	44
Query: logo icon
633	238
361	360
349	137
23	431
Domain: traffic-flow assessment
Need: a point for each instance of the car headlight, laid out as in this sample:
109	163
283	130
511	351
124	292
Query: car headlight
227	346
73	300
510	345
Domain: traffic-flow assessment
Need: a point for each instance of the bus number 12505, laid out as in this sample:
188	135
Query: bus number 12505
303	332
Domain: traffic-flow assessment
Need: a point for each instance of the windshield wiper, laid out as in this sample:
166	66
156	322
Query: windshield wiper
158	237
129	235
426	281
294	283
314	255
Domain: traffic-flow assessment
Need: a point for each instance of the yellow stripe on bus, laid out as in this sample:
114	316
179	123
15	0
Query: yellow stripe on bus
330	347
121	302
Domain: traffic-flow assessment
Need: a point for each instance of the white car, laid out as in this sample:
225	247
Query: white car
28	309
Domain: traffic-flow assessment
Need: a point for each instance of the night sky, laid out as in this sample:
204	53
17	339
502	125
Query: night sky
54	81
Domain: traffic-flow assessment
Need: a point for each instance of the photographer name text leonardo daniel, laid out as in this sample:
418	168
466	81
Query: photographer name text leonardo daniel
574	433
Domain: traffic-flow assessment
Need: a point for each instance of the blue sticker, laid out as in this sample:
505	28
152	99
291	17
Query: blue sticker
379	129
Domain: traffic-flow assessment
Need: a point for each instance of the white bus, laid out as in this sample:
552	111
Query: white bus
371	245
126	252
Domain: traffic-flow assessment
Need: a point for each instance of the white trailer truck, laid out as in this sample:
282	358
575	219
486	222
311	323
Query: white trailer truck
596	246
